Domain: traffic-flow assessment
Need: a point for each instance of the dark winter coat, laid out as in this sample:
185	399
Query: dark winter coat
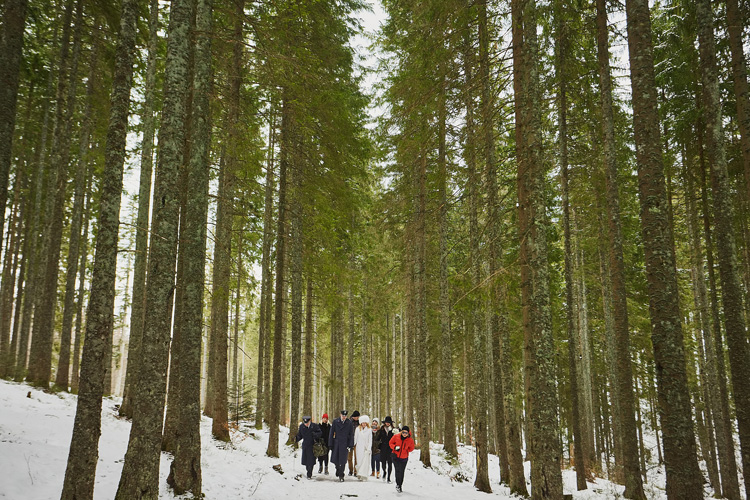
308	435
325	428
404	445
385	437
376	442
340	438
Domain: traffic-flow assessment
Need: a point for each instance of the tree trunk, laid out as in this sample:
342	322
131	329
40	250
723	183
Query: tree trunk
739	350
684	479
538	342
140	473
265	287
144	206
295	255
446	365
63	370
14	23
307	408
185	471
84	447
422	351
278	334
74	377
622	376
40	356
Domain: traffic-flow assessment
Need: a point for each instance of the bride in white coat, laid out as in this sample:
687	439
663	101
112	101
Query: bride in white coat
363	447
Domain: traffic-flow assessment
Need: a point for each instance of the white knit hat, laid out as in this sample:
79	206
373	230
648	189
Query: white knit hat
364	419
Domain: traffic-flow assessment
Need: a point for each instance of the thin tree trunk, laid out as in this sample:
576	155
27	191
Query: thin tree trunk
140	473
278	334
74	377
40	356
223	241
309	335
144	206
84	447
63	370
734	319
265	287
684	479
421	347
538	342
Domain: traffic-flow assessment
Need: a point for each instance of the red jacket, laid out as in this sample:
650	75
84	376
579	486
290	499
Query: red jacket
405	445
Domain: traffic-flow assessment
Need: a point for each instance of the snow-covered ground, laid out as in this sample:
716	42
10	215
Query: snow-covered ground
35	430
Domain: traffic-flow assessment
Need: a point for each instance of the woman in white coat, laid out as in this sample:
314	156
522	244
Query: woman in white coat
363	447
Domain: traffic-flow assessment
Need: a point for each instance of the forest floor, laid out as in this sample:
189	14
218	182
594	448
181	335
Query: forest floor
35	431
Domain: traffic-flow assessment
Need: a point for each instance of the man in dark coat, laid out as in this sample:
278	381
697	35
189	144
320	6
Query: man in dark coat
355	424
307	433
340	442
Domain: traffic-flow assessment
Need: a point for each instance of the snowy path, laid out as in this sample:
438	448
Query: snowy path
35	435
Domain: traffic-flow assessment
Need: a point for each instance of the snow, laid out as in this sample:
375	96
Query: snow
35	435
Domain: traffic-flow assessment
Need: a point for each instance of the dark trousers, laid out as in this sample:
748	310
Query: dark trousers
340	470
323	459
400	465
309	469
387	459
375	463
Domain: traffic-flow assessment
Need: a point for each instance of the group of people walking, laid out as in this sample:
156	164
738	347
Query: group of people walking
354	441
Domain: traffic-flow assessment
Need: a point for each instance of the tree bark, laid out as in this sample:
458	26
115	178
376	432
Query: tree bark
295	255
14	23
144	206
84	447
140	473
281	237
307	408
734	319
539	355
185	471
684	479
74	376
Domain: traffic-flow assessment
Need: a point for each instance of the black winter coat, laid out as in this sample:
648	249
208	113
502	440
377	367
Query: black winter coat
308	435
385	438
340	438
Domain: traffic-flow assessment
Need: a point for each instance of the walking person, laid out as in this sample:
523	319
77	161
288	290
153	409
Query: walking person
341	441
385	434
325	428
363	448
402	444
308	433
375	462
351	458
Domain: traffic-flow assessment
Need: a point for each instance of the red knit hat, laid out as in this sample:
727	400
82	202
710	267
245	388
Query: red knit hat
325	415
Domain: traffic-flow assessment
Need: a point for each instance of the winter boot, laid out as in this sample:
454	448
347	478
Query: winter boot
320	468
326	470
378	476
372	473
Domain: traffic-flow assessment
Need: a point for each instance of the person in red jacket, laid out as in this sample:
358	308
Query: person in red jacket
402	444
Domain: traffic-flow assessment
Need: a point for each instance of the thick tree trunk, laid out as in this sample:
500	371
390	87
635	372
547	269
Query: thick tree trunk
739	350
140	473
295	255
144	206
278	335
538	342
684	479
422	351
84	447
622	377
185	471
14	23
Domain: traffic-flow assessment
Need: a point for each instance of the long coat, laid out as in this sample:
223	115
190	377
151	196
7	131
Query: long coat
385	437
340	438
363	450
308	435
